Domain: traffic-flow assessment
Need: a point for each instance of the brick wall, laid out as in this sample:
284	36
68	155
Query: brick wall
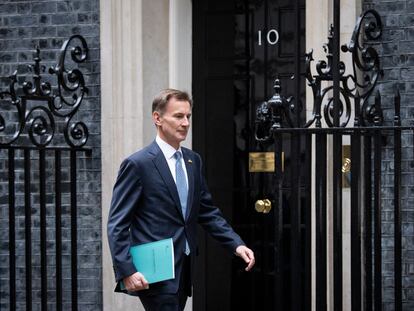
47	24
397	58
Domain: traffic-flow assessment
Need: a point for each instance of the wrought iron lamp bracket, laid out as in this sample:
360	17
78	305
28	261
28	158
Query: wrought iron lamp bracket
38	121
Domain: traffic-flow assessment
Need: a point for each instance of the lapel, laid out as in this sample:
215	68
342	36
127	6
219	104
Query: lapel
190	174
161	164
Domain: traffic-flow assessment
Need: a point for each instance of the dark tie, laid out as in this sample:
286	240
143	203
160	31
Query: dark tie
182	188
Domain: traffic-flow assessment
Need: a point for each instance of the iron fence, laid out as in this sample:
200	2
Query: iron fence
41	140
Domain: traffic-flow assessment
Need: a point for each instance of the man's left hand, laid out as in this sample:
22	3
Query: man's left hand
247	255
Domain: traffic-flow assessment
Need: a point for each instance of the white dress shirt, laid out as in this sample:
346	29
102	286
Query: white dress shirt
169	152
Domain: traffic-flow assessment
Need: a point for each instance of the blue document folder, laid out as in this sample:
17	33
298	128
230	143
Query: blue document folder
154	260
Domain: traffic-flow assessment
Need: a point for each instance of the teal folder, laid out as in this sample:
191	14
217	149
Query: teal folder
154	260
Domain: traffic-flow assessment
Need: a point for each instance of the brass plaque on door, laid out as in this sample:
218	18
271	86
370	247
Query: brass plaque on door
262	162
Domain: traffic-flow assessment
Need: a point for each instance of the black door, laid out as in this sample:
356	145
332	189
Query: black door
240	47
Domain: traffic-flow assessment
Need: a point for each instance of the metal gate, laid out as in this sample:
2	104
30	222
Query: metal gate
41	140
343	111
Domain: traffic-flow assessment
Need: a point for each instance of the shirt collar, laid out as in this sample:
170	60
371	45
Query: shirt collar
166	148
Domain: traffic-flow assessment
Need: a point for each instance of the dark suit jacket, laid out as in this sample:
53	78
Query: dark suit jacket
145	207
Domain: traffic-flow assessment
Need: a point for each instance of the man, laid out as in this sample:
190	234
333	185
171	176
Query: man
161	193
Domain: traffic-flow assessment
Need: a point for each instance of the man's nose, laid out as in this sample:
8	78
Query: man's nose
186	122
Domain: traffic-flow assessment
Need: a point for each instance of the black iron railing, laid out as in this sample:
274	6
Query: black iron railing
42	137
335	96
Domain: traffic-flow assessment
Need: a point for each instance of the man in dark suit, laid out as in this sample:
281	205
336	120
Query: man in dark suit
161	193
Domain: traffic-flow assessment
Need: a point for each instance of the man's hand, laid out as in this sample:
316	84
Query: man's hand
247	255
135	282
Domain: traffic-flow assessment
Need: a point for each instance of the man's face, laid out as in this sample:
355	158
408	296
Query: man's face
174	122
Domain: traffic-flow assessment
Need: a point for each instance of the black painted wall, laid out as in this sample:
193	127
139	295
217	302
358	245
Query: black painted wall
397	58
47	24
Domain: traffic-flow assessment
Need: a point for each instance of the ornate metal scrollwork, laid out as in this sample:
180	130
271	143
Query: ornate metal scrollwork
366	63
355	89
14	105
39	121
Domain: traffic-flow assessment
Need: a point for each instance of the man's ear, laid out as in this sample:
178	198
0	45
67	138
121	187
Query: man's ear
157	118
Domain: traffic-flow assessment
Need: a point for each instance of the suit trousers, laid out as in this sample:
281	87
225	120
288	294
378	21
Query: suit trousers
171	302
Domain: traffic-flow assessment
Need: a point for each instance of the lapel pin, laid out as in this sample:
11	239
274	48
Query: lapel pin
189	161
